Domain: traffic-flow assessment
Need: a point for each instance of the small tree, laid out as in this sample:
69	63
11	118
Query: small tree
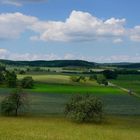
105	82
2	74
93	77
2	77
2	68
11	79
102	80
28	69
37	69
84	109
109	74
22	72
13	103
27	82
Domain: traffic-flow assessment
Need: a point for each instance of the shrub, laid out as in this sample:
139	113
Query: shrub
78	78
83	78
27	82
75	78
84	109
102	81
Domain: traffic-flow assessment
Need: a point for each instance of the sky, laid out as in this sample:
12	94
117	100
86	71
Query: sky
93	30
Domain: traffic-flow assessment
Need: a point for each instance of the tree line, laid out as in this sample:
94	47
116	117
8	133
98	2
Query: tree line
9	79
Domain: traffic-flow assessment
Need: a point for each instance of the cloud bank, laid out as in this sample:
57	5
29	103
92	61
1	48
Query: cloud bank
79	26
5	54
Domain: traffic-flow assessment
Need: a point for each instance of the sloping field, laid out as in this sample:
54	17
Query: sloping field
63	79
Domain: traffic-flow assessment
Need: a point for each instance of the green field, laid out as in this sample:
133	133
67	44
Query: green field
129	81
54	103
59	88
44	116
51	128
63	84
51	92
118	104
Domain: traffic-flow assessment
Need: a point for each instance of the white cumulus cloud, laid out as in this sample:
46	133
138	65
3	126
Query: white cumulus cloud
79	26
13	24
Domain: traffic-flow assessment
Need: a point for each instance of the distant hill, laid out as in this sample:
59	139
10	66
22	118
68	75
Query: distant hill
69	63
53	63
124	65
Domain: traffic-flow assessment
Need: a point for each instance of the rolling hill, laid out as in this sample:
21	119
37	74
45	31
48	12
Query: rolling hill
53	63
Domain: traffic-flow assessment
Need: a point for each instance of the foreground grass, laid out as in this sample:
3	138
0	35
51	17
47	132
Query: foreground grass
48	128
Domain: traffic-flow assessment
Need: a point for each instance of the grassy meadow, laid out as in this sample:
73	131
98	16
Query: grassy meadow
45	78
55	128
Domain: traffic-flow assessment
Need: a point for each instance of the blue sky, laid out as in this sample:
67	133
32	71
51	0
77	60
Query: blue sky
93	30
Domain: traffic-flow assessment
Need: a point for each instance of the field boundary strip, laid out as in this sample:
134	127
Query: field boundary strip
125	89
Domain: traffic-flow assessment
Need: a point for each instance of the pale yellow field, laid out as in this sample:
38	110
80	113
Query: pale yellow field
49	128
